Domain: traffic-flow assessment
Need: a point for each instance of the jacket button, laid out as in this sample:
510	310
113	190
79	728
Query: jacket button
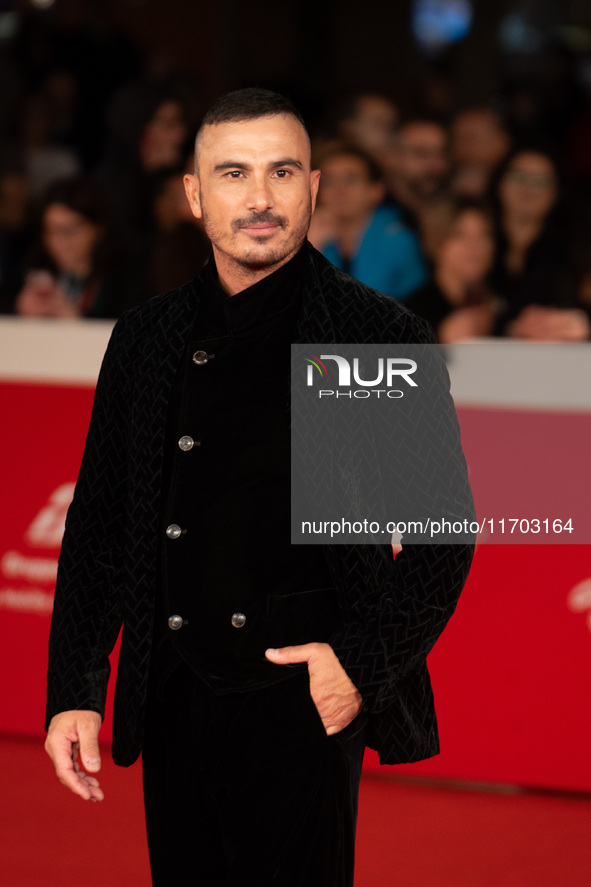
173	531
187	443
201	357
175	622
238	620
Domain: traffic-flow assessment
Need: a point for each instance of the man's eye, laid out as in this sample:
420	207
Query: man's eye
283	173
234	174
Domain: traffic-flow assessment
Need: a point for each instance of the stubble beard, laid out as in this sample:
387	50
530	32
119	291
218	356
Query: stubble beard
254	260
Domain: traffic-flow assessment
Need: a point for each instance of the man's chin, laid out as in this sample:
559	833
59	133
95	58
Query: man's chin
258	259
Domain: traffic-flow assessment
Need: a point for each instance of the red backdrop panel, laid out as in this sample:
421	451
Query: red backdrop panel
44	429
511	673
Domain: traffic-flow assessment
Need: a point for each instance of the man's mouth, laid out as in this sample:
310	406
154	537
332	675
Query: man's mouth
262	225
260	228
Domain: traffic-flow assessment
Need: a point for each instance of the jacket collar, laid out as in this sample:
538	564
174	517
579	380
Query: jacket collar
313	322
176	317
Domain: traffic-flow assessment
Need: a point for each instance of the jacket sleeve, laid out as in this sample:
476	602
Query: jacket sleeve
405	605
396	609
87	611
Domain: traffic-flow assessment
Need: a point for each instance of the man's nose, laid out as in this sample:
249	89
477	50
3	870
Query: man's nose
259	196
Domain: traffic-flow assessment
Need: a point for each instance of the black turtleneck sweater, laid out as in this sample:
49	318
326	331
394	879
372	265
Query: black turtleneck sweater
225	530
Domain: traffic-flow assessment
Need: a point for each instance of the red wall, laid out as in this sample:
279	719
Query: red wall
511	673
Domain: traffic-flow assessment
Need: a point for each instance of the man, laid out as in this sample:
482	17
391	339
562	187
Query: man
417	166
367	120
479	142
357	233
252	672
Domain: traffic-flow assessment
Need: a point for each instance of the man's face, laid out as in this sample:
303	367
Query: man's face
373	124
478	139
422	161
254	189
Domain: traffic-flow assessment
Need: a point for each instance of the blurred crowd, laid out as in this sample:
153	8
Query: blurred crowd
465	221
476	222
93	239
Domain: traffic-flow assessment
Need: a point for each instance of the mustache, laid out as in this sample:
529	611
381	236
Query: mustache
266	217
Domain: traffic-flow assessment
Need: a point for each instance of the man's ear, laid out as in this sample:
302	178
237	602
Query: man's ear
314	183
191	184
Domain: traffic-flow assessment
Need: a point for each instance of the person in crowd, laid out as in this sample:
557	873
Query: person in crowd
147	133
73	272
37	153
177	246
14	195
48	156
479	142
357	232
417	166
532	270
525	103
457	301
367	120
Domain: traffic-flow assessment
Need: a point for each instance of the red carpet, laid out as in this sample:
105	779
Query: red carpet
410	834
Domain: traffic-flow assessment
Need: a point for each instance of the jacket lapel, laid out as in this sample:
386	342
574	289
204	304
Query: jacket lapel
314	323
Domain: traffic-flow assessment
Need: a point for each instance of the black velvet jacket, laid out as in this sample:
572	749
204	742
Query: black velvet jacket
392	611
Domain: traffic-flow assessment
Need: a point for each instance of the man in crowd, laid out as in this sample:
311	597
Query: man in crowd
368	120
417	166
479	142
252	672
357	232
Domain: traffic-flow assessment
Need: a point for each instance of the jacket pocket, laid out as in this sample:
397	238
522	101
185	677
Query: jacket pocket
303	617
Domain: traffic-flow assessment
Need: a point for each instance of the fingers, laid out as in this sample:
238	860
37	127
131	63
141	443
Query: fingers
89	749
336	698
67	768
289	655
337	728
72	741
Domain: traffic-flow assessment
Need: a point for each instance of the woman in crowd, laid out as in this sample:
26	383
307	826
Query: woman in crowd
148	132
457	301
72	271
533	268
178	246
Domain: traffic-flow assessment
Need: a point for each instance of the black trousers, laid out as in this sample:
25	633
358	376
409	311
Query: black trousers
247	788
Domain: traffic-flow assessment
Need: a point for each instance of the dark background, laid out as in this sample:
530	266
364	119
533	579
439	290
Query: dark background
527	60
314	51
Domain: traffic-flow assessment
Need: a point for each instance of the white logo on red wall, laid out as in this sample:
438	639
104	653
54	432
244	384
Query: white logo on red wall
47	529
579	599
28	579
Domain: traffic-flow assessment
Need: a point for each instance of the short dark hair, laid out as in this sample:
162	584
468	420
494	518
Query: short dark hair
248	104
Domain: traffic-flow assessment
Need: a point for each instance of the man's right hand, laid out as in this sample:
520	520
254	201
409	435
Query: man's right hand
73	735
